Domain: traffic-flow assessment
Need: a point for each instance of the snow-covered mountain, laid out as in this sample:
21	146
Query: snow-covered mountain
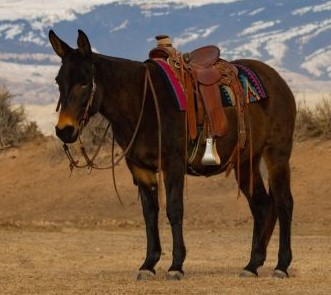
292	35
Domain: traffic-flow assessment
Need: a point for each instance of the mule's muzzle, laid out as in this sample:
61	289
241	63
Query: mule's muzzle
67	134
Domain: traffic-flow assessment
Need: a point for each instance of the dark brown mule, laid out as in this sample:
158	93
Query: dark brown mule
118	86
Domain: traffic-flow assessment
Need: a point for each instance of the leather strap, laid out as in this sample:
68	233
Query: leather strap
191	114
215	111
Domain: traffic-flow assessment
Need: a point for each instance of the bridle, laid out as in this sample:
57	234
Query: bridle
89	101
85	117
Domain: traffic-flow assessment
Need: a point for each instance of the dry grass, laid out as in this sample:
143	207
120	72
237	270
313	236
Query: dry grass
313	122
14	126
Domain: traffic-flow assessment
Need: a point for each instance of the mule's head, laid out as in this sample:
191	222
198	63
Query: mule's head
76	81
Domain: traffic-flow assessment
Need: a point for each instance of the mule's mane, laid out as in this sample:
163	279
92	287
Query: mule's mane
116	59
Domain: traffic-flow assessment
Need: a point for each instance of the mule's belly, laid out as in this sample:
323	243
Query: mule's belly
205	170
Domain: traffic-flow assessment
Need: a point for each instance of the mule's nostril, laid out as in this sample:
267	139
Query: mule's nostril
66	134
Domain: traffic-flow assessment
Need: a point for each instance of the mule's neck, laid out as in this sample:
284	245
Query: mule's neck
120	84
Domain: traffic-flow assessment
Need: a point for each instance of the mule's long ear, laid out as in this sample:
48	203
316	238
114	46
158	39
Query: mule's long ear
61	48
83	43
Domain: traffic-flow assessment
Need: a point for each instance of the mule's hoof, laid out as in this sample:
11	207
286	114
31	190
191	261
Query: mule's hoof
247	274
145	275
175	275
280	274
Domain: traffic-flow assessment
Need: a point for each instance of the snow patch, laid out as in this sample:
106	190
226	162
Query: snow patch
258	26
10	31
317	8
122	26
30	83
257	11
192	34
54	11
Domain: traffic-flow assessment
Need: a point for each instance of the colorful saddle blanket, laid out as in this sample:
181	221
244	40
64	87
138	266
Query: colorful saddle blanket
172	82
252	87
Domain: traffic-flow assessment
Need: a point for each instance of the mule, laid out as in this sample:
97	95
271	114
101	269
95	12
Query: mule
117	88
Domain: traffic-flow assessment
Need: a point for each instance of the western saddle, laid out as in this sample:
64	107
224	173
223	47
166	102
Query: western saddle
200	73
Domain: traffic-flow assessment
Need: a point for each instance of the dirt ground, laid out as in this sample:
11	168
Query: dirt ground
70	235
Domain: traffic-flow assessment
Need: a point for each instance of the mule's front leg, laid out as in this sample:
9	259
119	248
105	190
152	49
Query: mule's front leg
175	211
149	200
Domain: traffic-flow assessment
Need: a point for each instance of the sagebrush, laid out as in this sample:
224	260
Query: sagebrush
313	122
14	126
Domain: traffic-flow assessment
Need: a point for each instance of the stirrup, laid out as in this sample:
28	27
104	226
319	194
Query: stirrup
210	156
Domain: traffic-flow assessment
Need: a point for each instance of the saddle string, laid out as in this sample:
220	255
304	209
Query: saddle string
88	105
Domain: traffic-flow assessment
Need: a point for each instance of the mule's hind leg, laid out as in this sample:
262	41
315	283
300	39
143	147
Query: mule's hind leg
279	181
263	210
149	200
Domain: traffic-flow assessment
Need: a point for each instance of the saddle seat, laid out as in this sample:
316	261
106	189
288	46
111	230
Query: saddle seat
204	56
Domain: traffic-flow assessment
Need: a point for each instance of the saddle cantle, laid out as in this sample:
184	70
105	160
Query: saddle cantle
204	56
